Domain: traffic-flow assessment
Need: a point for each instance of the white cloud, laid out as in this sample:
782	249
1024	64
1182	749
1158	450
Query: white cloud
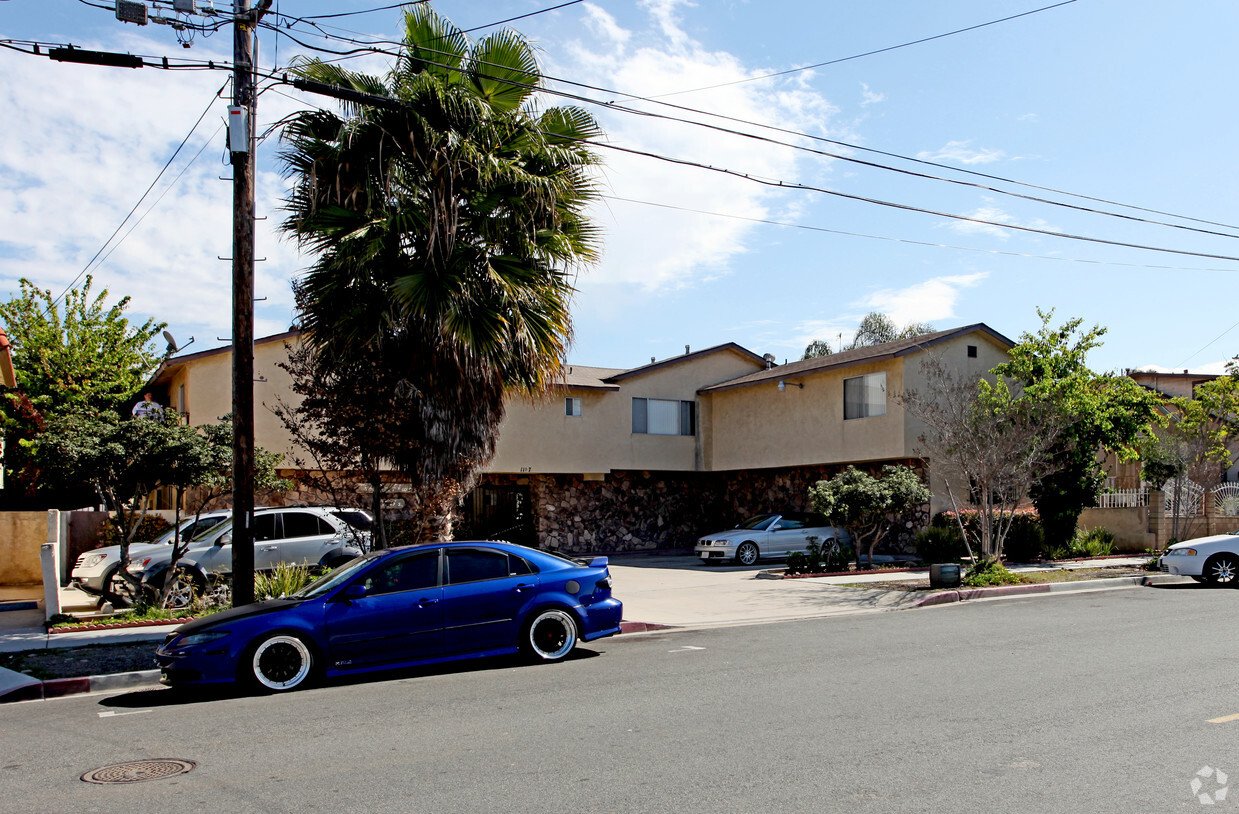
651	249
869	97
961	152
929	301
1029	117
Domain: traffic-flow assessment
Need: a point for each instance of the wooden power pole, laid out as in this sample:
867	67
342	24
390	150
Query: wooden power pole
242	145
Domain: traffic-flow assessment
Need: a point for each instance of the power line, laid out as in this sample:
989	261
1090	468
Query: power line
866	53
806	227
164	169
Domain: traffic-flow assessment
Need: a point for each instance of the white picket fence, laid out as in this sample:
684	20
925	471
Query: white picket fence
1192	498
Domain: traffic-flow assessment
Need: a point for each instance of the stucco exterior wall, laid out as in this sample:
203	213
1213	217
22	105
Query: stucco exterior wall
21	536
537	436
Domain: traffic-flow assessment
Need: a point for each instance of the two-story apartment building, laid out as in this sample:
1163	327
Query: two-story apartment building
655	455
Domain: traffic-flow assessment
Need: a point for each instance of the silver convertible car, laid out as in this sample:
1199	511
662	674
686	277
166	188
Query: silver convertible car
771	536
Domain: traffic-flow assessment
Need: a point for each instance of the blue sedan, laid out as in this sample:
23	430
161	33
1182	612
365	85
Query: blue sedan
406	606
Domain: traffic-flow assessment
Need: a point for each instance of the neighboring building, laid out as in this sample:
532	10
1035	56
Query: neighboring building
656	455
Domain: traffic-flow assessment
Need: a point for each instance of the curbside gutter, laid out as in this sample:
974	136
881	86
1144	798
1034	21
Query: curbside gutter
35	690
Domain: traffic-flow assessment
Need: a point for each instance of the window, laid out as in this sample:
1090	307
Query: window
305	524
572	407
264	527
972	351
663	417
413	573
474	565
864	396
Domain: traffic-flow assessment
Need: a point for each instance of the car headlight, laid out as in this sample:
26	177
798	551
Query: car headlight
1181	552
195	639
94	559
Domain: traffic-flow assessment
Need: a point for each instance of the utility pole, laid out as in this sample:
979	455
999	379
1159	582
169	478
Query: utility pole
241	119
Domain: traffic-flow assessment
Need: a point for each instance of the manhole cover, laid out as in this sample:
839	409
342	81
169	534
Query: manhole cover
136	771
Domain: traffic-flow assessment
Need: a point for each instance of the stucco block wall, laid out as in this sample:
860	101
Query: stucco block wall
1130	527
21	536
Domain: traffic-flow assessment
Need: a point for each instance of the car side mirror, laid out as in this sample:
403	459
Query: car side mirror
224	539
355	591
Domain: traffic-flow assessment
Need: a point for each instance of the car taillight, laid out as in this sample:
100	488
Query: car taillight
604	583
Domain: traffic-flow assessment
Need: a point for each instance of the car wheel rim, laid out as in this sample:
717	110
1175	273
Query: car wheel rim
181	595
748	554
552	635
1224	571
281	662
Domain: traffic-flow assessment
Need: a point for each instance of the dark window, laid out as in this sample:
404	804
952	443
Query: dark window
474	565
302	524
413	573
357	520
572	407
264	527
518	567
972	351
794	520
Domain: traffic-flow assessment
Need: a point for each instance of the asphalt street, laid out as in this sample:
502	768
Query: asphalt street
1074	703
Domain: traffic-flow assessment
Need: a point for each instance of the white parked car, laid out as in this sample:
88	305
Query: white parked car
1213	560
95	571
768	536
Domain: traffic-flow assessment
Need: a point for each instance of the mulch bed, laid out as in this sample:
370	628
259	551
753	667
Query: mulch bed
75	662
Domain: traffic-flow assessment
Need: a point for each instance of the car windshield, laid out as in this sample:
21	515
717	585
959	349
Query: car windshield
327	582
759	523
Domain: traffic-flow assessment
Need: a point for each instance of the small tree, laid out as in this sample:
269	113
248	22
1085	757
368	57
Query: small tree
983	437
866	505
1102	413
817	348
78	356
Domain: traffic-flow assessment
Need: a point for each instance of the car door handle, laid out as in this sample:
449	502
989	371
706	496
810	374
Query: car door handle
267	548
520	589
425	603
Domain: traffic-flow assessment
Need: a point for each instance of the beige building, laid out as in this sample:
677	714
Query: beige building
654	456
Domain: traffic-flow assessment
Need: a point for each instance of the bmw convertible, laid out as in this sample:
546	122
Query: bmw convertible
401	607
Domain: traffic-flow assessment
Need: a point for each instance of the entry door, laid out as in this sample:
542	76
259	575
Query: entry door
399	619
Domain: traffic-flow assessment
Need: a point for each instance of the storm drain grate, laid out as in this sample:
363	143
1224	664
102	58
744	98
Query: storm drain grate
136	771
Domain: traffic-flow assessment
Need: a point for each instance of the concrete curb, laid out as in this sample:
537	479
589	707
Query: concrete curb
946	597
60	687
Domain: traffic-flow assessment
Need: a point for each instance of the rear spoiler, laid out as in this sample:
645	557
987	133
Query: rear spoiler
598	562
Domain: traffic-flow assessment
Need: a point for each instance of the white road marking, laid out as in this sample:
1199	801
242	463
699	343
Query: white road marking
685	649
114	714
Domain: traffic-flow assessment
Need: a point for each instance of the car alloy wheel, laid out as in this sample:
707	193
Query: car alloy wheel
747	553
117	590
281	662
1222	570
185	586
551	635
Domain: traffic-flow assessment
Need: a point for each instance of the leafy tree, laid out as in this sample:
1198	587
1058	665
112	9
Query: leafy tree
868	506
979	435
876	328
816	348
81	355
1101	413
445	218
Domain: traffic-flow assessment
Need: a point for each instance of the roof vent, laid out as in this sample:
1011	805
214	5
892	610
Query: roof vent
687	351
769	357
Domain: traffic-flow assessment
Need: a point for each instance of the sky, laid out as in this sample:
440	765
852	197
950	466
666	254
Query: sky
806	163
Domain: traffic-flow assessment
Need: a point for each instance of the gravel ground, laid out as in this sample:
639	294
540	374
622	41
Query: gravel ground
72	662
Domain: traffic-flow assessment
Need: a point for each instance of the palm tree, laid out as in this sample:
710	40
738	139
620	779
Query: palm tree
447	218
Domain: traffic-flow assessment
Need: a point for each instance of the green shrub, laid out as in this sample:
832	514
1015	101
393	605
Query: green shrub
1025	540
151	527
1096	542
940	544
988	573
820	559
285	579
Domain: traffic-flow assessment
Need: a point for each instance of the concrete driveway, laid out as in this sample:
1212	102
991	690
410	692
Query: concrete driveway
676	589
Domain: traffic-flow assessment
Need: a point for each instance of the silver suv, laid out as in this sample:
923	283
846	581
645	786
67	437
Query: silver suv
95	571
302	535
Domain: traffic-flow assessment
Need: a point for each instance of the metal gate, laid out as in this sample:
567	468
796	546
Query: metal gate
498	513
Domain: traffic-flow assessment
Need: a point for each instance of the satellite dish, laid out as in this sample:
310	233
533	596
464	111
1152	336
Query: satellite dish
172	346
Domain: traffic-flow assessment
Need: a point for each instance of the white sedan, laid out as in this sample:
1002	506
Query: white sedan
1213	560
768	536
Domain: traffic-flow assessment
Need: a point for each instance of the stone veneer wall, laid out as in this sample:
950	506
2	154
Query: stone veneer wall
634	510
